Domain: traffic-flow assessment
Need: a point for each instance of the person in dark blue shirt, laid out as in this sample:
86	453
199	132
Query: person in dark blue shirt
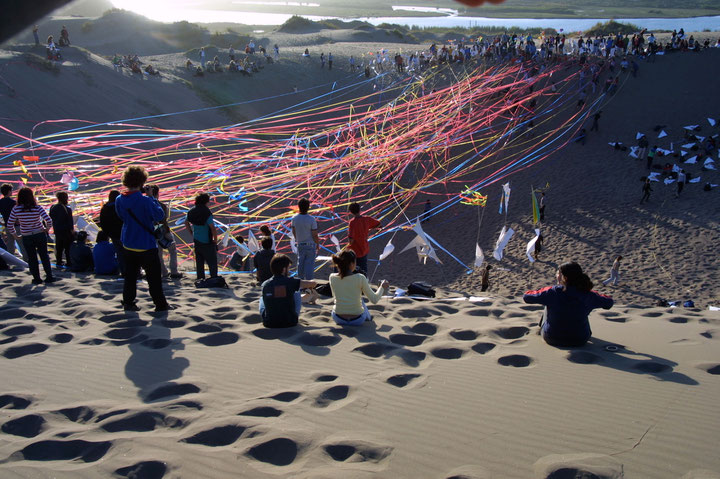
567	306
281	299
104	255
81	255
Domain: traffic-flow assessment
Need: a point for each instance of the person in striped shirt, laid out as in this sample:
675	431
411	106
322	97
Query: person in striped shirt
34	227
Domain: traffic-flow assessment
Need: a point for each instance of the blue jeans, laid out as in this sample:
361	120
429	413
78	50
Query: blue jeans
298	304
306	261
365	316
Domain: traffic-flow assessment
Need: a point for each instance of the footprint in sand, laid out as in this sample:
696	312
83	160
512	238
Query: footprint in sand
584	357
171	390
205	328
513	332
15	352
219	339
483	348
357	451
143	470
447	353
262	411
11	401
142	422
66	450
426	329
414	313
464	334
25	426
516	361
81	414
270	334
713	369
402	380
217	436
18	330
286	396
325	378
12	313
678	319
172	323
331	396
281	451
317	340
61	338
375	350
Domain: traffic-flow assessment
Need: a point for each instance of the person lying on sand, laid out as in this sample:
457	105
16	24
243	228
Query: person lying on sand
348	287
281	298
567	306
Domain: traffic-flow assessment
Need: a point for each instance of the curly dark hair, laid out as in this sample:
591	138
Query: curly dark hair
134	177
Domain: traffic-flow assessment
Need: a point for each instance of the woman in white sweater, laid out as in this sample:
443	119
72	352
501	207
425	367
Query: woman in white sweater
348	288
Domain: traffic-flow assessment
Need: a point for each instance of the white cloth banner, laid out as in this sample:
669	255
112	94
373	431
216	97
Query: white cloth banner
530	250
387	251
479	256
253	244
226	238
502	242
336	242
506	189
12	259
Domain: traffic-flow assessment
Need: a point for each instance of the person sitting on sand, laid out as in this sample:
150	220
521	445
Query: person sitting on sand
239	259
307	52
281	300
262	259
64	37
104	255
189	65
348	287
199	72
567	305
232	67
135	68
150	70
81	254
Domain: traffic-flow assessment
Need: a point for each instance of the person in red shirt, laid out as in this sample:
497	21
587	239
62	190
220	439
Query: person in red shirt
358	231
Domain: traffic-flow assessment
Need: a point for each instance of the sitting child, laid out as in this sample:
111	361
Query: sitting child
81	255
281	300
104	255
238	261
262	260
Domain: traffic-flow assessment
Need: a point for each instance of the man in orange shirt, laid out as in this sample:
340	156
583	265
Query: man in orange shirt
358	231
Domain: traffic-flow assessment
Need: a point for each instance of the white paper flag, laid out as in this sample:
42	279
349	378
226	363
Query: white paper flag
336	242
711	121
479	256
389	248
692	160
662	134
669	180
253	244
502	242
530	250
694	180
226	238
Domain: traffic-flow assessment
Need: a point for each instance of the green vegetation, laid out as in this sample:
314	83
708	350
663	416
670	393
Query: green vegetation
611	27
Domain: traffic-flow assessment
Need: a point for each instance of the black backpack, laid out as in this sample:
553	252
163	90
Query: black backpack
420	288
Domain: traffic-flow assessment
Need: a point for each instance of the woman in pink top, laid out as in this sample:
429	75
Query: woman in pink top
34	227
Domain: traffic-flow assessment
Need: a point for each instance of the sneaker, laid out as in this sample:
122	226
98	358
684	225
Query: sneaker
37	281
176	275
50	279
130	307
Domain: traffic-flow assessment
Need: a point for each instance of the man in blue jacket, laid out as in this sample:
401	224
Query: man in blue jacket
139	214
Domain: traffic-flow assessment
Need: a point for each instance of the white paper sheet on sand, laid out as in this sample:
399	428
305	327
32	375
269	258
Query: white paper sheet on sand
694	180
530	250
691	127
639	135
688	145
665	152
676	169
711	121
253	244
654	176
662	134
502	241
336	242
692	160
12	259
713	308
633	151
669	181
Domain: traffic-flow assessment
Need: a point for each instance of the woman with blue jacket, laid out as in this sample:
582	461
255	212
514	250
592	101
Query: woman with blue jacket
139	214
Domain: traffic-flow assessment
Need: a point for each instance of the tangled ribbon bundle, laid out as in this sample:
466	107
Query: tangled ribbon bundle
382	149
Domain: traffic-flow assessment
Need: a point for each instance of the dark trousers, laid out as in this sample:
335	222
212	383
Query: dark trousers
361	264
36	245
63	240
150	262
205	253
120	253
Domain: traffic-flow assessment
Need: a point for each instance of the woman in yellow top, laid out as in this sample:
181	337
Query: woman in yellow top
348	288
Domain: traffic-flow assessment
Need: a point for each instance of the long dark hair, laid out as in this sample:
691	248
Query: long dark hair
575	277
344	260
26	198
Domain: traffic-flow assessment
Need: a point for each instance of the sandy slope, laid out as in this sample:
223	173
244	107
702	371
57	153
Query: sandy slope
428	389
